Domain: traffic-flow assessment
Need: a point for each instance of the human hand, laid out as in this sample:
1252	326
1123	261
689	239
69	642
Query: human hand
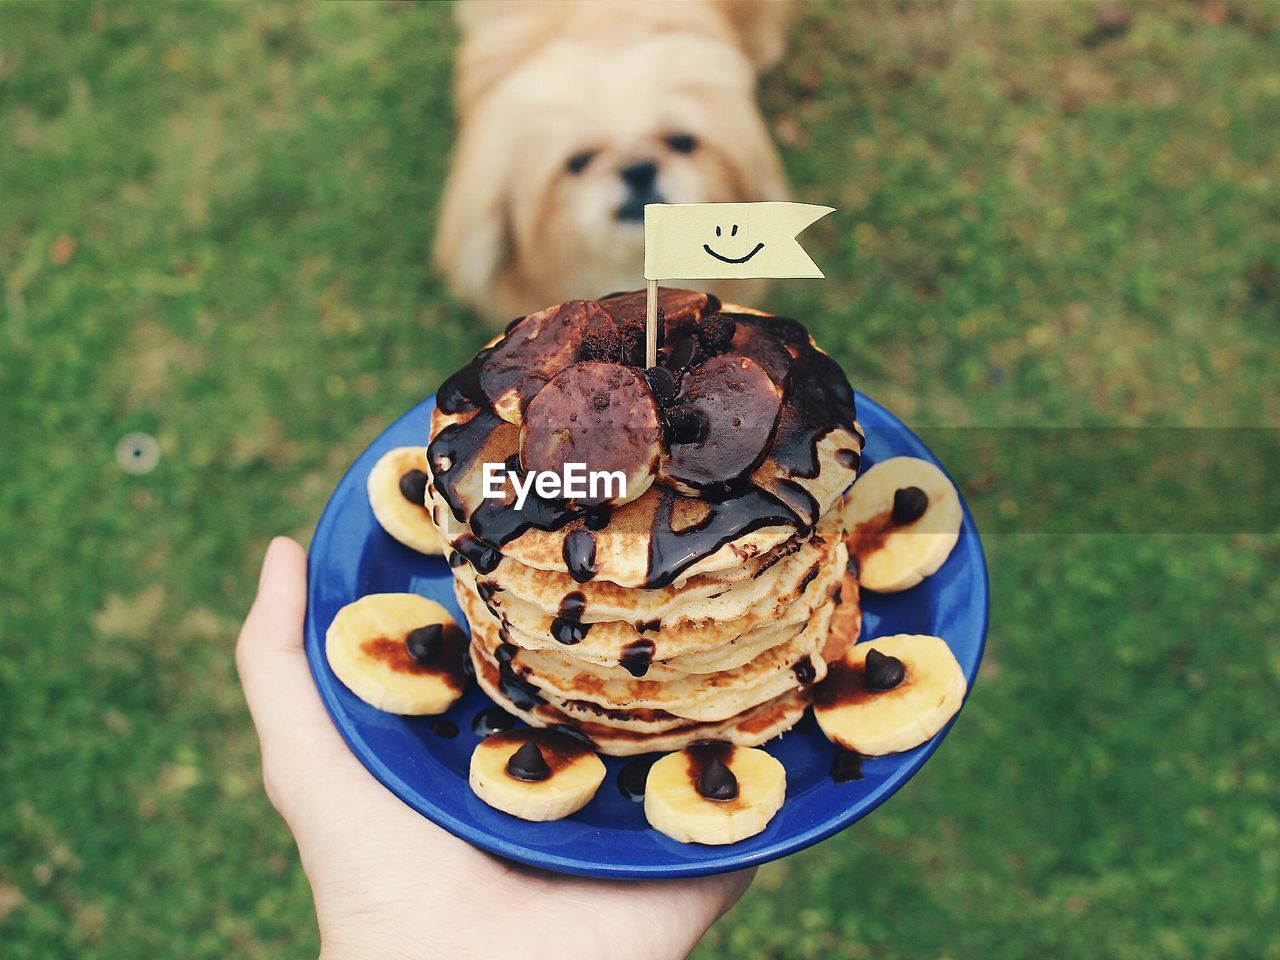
390	884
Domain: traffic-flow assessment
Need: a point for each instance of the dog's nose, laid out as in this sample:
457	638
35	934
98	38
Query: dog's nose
640	176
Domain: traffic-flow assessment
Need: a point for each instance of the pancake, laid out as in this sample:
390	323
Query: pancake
706	697
735	590
750	729
702	630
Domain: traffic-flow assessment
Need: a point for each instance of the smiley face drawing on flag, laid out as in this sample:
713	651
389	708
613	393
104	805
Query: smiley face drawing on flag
728	241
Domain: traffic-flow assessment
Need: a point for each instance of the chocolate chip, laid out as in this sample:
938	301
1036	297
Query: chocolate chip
683	354
600	401
413	486
528	764
601	342
687	425
717	782
909	505
715	333
882	671
663	384
423	643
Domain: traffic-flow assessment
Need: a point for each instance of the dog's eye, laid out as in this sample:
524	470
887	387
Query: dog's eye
682	142
578	162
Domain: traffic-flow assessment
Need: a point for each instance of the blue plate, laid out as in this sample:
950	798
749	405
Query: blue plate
351	556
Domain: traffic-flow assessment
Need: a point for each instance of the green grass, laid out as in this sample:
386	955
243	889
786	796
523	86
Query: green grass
213	228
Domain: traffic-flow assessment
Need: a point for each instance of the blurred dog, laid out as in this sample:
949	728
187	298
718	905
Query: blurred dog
574	115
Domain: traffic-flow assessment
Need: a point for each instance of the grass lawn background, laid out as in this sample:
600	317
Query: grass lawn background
213	228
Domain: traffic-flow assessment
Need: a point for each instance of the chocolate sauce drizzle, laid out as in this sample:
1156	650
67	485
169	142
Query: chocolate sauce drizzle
454	454
491	721
522	694
567	627
580	554
443	728
633	777
462	391
597	517
485	557
709	763
672	552
447	659
637	656
872	534
851	683
846	766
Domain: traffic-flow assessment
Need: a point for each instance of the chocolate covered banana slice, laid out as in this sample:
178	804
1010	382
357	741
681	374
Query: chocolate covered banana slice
535	774
399	652
534	350
601	416
890	694
719	427
398	492
903	516
714	793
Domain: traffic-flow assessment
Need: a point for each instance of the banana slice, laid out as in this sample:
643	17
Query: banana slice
399	652
903	517
890	694
398	492
535	774
713	792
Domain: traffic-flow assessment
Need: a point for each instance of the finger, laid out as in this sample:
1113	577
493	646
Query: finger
293	727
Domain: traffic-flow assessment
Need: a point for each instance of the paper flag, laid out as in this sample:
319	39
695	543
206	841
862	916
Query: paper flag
728	241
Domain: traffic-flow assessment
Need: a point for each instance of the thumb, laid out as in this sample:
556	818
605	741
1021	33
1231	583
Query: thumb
294	730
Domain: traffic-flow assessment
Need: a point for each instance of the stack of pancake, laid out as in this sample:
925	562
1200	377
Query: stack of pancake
706	600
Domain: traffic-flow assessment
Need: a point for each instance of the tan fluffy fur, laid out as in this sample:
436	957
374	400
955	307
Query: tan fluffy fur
539	81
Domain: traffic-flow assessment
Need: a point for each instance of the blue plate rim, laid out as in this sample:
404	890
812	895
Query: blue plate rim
718	859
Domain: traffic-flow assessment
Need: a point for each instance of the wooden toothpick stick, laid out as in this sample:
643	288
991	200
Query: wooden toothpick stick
651	326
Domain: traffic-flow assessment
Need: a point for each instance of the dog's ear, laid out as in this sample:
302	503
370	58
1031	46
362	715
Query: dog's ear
473	243
754	165
497	37
760	27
